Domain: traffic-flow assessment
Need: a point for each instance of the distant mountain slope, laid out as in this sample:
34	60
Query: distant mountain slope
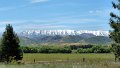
72	38
65	39
87	35
97	40
26	41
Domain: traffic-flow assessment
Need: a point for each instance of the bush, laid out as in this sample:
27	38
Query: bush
95	49
27	49
101	49
81	50
75	47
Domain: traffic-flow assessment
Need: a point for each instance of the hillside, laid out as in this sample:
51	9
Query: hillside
26	41
97	40
65	39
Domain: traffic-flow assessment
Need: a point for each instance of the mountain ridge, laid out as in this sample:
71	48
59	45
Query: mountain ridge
64	36
63	32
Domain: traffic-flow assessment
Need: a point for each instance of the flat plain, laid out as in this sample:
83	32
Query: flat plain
37	60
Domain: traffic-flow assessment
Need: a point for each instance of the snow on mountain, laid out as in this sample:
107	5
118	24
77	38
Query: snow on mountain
64	32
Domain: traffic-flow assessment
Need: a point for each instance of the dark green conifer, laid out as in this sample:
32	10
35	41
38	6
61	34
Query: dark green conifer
115	32
10	48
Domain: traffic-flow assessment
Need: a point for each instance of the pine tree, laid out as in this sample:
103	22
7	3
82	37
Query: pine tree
10	48
115	33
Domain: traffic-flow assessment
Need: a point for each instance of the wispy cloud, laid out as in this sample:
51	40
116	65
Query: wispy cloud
102	12
6	8
53	21
39	27
22	6
2	23
38	1
43	26
6	22
13	7
22	25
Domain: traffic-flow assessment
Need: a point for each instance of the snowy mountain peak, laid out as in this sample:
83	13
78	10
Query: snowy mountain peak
64	32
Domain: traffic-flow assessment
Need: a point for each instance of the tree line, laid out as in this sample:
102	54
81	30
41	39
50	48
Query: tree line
67	49
45	49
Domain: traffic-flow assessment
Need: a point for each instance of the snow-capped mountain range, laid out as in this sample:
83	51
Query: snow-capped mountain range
64	32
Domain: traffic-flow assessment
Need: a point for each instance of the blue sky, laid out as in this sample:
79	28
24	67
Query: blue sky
55	14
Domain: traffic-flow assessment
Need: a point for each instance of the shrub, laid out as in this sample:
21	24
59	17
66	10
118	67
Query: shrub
81	50
101	49
95	49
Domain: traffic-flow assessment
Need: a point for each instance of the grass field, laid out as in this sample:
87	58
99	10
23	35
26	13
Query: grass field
29	58
66	61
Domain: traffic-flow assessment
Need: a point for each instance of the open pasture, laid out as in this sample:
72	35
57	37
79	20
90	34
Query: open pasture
37	60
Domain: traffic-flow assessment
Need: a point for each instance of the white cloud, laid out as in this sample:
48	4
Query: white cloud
91	11
38	1
96	11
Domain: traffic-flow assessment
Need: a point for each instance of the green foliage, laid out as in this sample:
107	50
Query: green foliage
95	49
67	49
116	50
46	49
75	47
81	50
115	33
27	49
101	49
10	48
